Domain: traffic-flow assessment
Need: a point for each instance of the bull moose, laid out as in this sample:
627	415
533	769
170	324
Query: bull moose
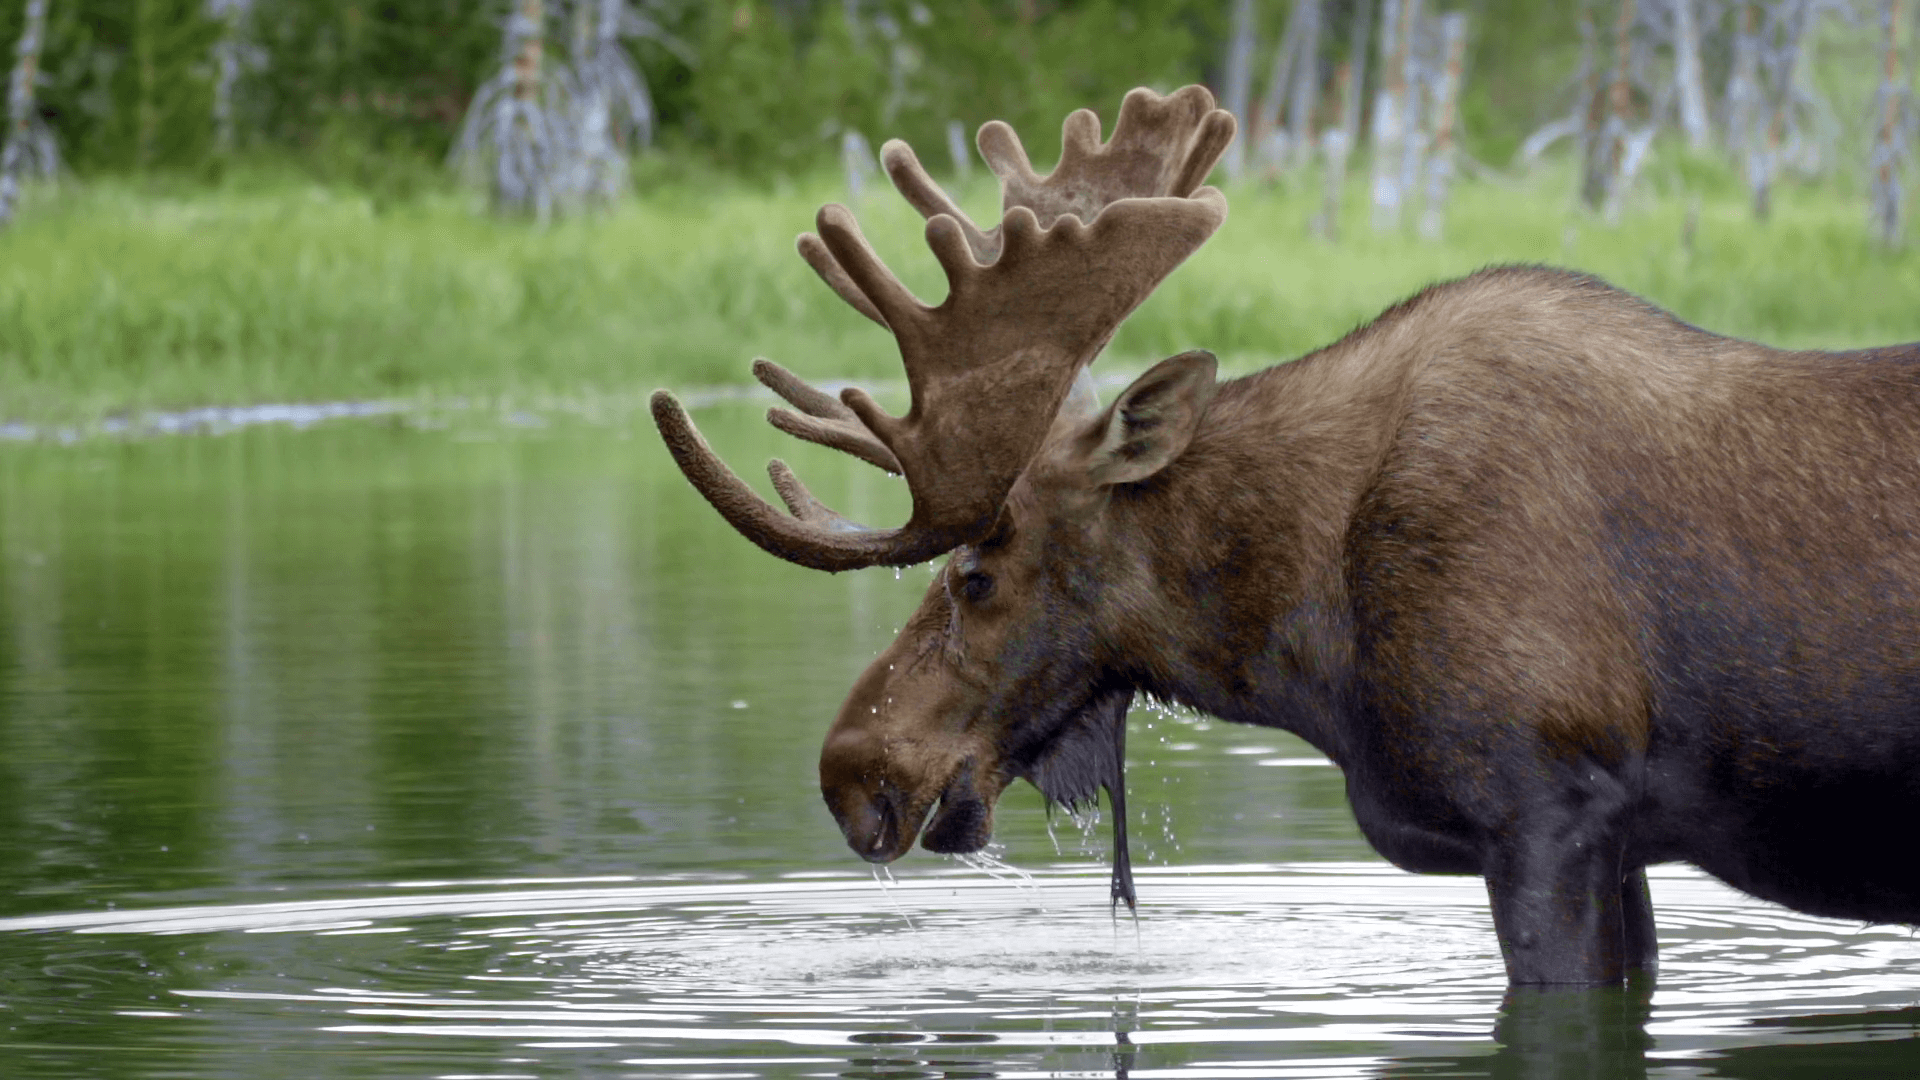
1563	585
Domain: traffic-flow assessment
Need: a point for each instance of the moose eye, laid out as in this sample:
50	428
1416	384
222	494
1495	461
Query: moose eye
976	586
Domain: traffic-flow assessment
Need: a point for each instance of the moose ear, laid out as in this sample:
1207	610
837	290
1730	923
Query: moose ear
1151	424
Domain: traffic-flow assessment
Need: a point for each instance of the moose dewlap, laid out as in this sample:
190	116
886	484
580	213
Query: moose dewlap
1564	585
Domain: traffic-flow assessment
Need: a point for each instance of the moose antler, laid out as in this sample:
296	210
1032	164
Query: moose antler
1030	303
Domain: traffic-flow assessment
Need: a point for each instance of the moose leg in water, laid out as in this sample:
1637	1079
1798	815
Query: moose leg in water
1566	908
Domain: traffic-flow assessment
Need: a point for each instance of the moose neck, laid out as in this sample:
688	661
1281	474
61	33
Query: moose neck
1243	538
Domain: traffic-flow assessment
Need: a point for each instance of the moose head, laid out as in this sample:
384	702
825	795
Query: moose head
1011	463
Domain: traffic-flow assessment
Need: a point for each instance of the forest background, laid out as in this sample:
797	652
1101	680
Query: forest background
259	201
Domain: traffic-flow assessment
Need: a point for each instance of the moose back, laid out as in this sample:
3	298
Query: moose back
1564	586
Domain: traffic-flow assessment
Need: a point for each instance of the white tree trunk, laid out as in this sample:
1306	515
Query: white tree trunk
29	147
1689	84
1888	213
1266	116
1453	44
1794	17
1743	81
1337	142
1305	97
1239	83
1415	77
229	56
1389	118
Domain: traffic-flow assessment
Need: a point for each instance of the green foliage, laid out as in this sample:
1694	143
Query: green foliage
982	64
1522	59
129	84
774	91
116	296
348	79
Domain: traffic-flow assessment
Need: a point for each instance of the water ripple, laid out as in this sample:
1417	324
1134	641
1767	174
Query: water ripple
1318	970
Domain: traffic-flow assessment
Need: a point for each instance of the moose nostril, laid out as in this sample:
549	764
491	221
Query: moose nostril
869	821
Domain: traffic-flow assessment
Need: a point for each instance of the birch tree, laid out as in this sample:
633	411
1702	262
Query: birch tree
1239	83
1689	83
1416	77
1269	138
1453	47
1893	108
1742	99
553	133
612	113
1338	141
517	119
1390	119
29	149
1782	43
231	53
1305	95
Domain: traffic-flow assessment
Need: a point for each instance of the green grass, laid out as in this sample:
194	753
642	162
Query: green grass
118	296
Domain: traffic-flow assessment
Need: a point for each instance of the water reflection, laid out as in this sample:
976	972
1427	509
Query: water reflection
370	751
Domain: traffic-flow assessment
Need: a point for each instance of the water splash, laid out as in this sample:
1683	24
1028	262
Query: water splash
883	877
988	861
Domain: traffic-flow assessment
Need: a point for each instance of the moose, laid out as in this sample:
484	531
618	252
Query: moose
1564	586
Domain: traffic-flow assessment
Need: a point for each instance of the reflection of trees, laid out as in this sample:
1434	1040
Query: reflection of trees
358	654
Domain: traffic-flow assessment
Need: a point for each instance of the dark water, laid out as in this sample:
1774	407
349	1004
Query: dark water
373	751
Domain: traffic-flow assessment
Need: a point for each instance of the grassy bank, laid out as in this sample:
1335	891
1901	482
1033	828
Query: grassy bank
116	296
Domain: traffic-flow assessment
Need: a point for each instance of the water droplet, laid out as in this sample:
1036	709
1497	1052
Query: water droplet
883	877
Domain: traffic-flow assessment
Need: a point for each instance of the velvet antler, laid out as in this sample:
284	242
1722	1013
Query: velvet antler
1030	304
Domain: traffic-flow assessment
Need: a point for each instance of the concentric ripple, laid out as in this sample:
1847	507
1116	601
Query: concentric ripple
1305	970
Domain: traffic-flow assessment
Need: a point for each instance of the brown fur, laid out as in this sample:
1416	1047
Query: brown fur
1525	547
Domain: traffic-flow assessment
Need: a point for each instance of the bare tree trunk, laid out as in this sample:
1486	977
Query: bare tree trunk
1620	95
29	147
1305	97
526	62
1389	116
1362	33
1266	117
1239	83
227	58
1796	17
1743	86
1337	142
1413	146
1608	117
1334	147
1453	37
1888	195
1593	173
1689	85
957	149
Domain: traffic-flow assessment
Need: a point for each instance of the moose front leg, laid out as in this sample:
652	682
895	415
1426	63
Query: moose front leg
1565	908
1558	912
1638	941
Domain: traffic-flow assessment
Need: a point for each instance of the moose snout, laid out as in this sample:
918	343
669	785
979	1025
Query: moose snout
871	823
868	810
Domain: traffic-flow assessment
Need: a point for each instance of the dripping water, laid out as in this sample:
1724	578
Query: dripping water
988	861
883	877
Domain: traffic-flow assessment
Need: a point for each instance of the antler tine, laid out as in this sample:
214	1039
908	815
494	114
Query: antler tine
811	535
822	419
1031	303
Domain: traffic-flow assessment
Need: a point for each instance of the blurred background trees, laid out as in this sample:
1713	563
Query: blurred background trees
559	95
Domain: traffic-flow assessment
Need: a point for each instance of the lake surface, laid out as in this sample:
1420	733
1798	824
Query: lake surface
403	748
